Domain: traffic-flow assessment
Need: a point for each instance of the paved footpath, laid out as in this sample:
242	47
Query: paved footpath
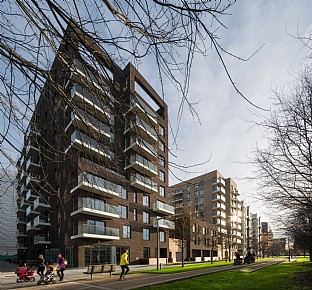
75	279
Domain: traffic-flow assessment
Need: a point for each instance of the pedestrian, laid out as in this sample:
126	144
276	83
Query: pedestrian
40	265
61	261
124	264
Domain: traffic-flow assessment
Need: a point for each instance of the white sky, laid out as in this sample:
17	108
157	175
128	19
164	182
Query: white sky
226	133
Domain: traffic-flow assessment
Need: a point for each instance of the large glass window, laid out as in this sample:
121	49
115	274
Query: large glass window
123	211
135	197
161	130
146	234
161	191
188	195
146	252
162	161
162	146
126	232
188	188
161	175
146	200
162	236
146	217
135	214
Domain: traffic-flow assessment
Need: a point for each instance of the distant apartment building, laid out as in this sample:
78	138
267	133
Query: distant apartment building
93	175
256	235
8	239
212	199
266	238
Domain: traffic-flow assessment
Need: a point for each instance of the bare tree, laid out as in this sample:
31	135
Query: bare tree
285	166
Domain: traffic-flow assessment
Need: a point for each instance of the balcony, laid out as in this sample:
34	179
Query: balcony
21	246
164	224
142	129
31	131
143	165
178	198
219	189
220	206
23	189
83	74
23	177
144	183
219	198
24	203
31	195
84	121
220	214
95	184
96	232
41	221
32	180
33	163
30	227
143	111
42	240
220	181
163	208
32	149
82	141
20	221
40	204
20	233
95	207
178	191
142	147
31	212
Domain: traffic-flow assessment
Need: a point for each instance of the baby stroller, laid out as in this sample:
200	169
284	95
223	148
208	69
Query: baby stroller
25	274
49	276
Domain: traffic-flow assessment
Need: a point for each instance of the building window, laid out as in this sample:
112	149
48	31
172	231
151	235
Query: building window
146	252
162	146
162	161
146	234
196	200
135	197
123	211
161	131
188	188
214	179
146	200
196	208
146	217
161	175
201	200
161	191
126	232
188	202
188	195
214	187
196	193
196	185
201	184
135	214
162	236
123	194
201	207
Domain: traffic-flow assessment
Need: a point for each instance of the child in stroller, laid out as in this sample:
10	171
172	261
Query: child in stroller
49	276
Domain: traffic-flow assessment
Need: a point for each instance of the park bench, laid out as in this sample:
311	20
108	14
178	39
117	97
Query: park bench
100	269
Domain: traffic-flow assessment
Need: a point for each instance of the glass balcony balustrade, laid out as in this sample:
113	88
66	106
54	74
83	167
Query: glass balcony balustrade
142	147
96	232
142	164
42	239
93	183
95	207
163	223
41	221
144	111
162	207
145	130
82	140
144	183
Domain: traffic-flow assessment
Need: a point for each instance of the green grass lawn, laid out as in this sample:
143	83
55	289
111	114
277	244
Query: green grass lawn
281	276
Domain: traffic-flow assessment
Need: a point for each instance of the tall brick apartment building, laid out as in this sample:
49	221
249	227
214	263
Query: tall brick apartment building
93	171
212	199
